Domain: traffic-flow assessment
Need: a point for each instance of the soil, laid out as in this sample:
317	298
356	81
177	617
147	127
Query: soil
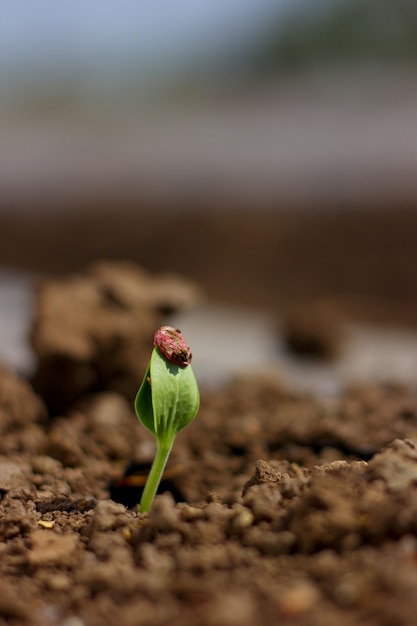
359	260
277	507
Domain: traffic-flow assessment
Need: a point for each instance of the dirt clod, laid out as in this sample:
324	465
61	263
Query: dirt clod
49	548
94	331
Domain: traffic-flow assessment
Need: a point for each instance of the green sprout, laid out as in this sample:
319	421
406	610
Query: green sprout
167	401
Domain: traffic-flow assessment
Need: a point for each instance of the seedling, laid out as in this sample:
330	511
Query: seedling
167	401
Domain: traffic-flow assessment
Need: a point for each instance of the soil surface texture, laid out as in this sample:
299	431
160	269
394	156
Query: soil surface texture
277	507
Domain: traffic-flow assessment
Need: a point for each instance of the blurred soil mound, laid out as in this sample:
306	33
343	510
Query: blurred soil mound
94	330
361	262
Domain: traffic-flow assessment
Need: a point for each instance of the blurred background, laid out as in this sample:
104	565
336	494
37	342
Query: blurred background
266	148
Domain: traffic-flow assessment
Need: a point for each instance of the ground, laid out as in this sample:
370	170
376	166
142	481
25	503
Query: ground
278	507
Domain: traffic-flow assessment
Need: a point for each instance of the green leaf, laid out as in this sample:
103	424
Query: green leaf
175	396
168	398
143	403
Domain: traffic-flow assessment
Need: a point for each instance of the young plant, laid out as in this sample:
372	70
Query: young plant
167	400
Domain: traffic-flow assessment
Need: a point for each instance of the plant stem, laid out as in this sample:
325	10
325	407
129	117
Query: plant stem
155	475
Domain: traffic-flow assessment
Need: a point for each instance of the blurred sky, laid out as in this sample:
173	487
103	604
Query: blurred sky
46	34
342	131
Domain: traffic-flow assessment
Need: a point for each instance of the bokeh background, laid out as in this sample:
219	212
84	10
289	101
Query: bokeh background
266	148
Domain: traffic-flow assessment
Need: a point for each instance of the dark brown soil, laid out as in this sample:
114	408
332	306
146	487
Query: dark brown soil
293	509
361	259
